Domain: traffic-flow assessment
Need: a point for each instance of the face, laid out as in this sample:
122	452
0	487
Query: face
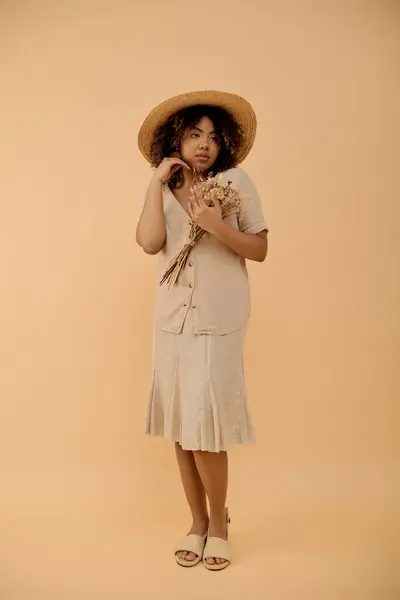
200	145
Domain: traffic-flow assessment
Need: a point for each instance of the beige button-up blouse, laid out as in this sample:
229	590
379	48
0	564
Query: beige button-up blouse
214	283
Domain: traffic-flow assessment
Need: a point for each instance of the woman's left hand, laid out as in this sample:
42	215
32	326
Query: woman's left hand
206	217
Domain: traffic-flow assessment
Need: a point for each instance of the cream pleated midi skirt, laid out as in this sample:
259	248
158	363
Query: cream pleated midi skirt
198	395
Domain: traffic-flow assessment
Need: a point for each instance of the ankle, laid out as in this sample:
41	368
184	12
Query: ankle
201	520
218	515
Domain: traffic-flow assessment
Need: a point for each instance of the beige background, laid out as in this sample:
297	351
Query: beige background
90	508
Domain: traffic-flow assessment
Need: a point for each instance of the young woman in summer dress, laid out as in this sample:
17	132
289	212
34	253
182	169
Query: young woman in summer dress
198	395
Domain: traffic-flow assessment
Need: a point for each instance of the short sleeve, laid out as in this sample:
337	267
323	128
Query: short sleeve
251	217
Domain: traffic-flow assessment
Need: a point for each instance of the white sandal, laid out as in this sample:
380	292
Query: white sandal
191	543
218	548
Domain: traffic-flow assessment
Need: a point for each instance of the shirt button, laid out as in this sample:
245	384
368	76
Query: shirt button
194	306
190	285
191	264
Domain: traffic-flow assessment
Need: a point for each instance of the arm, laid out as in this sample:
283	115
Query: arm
249	245
150	231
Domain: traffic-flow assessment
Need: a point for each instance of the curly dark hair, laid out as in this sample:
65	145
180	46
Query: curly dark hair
167	137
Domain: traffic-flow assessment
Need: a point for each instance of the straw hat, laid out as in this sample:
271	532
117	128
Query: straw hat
237	107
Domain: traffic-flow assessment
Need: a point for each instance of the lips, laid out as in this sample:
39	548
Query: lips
203	156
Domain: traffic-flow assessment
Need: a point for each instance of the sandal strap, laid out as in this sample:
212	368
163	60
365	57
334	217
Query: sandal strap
192	543
217	548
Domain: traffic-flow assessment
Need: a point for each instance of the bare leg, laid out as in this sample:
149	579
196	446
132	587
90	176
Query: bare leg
213	470
195	494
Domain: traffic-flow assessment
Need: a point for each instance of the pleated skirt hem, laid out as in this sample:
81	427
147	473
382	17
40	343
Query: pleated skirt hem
198	395
197	448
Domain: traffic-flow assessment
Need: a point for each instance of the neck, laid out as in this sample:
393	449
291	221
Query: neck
187	178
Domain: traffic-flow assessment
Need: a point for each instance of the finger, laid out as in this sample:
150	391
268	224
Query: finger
195	208
201	202
196	197
180	162
193	212
174	169
192	197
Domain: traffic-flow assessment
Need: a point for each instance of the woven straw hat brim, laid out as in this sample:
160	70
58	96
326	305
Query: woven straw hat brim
241	111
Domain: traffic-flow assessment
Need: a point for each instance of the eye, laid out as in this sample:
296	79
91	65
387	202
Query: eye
194	135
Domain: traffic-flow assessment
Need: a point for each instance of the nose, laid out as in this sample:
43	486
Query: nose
203	144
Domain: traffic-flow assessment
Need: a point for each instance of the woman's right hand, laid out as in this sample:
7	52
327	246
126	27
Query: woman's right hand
168	167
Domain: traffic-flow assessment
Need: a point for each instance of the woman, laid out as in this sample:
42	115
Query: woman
198	396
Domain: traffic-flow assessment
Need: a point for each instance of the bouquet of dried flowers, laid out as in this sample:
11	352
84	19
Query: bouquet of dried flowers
213	189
